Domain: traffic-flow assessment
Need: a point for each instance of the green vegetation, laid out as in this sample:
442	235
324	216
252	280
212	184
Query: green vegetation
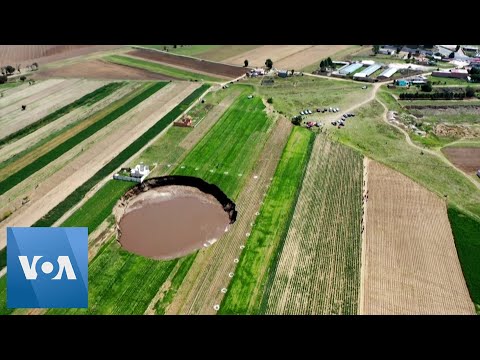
9	85
185	264
78	194
306	92
114	286
3	297
86	100
368	133
3	258
99	207
466	231
189	50
160	68
248	284
59	150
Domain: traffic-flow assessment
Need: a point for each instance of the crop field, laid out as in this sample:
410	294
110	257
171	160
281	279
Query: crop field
170	71
207	52
203	66
411	263
257	56
13	118
318	270
44	160
247	288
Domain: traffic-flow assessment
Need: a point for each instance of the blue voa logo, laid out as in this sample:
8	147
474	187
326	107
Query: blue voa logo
47	267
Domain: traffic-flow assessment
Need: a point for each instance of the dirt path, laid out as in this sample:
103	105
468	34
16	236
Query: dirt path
425	150
411	265
71	174
364	259
201	288
75	116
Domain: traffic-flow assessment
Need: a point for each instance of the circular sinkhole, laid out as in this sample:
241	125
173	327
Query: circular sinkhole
169	217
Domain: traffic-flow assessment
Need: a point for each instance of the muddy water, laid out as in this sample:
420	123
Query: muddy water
165	224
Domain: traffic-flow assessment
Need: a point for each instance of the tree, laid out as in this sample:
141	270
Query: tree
293	71
297	120
246	62
269	63
270	100
9	69
469	92
399	49
35	66
452	55
457	48
174	46
3	79
164	48
409	55
23	78
322	65
329	62
427	87
375	49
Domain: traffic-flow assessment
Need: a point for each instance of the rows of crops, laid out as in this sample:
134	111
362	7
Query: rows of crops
59	150
159	68
55	214
115	268
244	295
86	100
318	271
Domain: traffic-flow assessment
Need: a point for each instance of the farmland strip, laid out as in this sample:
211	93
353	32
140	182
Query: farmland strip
159	68
248	284
44	160
86	100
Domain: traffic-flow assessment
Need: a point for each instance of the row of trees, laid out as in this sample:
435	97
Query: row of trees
447	95
9	69
326	63
475	74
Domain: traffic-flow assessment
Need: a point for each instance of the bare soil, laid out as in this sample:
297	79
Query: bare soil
257	56
170	222
410	262
301	59
465	158
98	69
43	54
190	63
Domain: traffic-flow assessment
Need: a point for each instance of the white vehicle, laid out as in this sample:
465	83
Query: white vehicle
302	113
309	111
330	109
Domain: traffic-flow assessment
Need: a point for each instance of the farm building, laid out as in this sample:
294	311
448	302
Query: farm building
451	73
386	51
365	73
402	82
137	174
350	68
387	73
283	73
470	48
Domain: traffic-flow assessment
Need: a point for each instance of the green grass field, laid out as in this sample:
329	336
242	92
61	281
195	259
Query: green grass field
99	207
292	95
246	289
3	297
85	101
10	85
59	150
160	68
466	232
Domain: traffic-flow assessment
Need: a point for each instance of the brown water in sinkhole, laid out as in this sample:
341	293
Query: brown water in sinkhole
170	222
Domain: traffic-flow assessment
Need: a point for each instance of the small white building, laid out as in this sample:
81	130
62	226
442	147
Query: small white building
137	174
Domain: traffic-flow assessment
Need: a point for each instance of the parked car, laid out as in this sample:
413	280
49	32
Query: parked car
309	111
302	113
334	123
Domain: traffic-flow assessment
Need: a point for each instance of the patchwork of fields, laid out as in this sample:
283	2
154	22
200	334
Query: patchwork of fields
323	226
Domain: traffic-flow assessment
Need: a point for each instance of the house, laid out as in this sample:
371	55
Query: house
137	174
387	73
451	73
402	82
386	51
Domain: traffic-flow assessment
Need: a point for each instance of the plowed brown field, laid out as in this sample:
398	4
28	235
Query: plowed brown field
410	261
